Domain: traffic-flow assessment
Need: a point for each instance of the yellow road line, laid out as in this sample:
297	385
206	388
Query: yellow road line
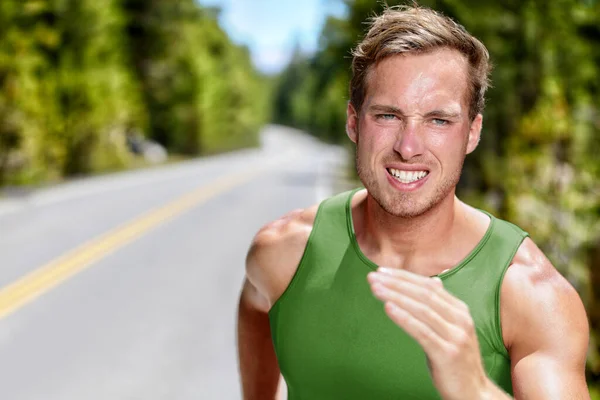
38	282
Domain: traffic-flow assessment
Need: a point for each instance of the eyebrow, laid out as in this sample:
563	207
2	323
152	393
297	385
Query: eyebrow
443	114
384	109
449	114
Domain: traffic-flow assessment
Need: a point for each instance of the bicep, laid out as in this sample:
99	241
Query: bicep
547	331
541	376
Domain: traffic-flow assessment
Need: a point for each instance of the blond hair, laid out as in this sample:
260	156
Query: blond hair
413	29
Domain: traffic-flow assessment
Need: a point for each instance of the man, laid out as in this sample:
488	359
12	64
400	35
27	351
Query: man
466	307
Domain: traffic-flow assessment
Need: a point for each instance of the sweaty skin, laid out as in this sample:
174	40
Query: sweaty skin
416	116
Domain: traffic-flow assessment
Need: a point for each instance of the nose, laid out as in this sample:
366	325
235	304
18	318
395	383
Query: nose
409	143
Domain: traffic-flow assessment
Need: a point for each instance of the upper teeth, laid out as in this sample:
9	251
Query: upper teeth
407	176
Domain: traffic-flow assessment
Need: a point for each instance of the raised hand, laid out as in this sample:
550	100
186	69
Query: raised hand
441	324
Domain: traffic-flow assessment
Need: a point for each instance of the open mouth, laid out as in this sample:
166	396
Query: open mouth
407	176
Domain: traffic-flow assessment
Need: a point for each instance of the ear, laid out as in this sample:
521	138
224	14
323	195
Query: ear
474	133
351	122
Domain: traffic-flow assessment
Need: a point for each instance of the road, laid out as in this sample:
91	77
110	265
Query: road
125	286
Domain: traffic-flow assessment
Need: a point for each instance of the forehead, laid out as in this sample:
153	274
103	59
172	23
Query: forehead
413	82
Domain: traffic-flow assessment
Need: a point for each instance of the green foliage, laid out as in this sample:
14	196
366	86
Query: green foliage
78	76
201	91
537	163
66	88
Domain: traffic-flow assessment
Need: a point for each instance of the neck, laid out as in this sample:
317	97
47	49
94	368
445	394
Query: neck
406	240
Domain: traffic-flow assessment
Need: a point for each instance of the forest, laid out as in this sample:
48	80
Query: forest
79	78
538	163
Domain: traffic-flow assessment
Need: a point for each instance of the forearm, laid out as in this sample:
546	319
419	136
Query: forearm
257	361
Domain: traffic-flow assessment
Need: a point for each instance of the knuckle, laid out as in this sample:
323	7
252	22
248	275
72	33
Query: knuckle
428	312
463	306
431	284
453	352
429	335
461	339
421	294
468	324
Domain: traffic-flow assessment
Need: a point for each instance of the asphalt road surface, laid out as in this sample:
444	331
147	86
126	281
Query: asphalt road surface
125	286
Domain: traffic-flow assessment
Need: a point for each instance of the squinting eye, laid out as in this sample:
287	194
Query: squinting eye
387	117
440	122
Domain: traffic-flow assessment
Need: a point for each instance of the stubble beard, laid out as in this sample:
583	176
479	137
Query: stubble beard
405	205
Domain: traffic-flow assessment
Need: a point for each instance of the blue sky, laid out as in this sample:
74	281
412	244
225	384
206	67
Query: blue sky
271	28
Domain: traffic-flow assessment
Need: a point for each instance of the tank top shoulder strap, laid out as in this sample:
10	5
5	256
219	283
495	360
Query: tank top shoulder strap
325	247
486	271
504	240
330	229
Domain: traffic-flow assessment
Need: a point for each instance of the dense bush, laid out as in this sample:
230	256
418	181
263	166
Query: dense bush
78	76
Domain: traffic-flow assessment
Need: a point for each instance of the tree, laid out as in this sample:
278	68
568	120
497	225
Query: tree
78	76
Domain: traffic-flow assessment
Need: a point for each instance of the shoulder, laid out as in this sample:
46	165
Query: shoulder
539	308
276	251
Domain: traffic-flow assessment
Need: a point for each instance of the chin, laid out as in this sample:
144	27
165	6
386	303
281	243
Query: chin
404	208
408	204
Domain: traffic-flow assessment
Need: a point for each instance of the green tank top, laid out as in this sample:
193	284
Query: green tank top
332	337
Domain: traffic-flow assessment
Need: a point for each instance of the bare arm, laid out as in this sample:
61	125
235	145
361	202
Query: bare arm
546	330
270	265
258	365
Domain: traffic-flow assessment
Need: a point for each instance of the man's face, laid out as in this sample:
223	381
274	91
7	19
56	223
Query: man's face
413	131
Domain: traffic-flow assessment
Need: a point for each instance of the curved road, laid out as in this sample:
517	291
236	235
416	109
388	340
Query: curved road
125	286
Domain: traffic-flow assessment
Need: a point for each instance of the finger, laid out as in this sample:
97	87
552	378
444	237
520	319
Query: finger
433	284
429	340
418	292
419	310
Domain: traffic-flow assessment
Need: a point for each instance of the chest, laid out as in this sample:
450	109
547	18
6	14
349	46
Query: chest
333	340
337	342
